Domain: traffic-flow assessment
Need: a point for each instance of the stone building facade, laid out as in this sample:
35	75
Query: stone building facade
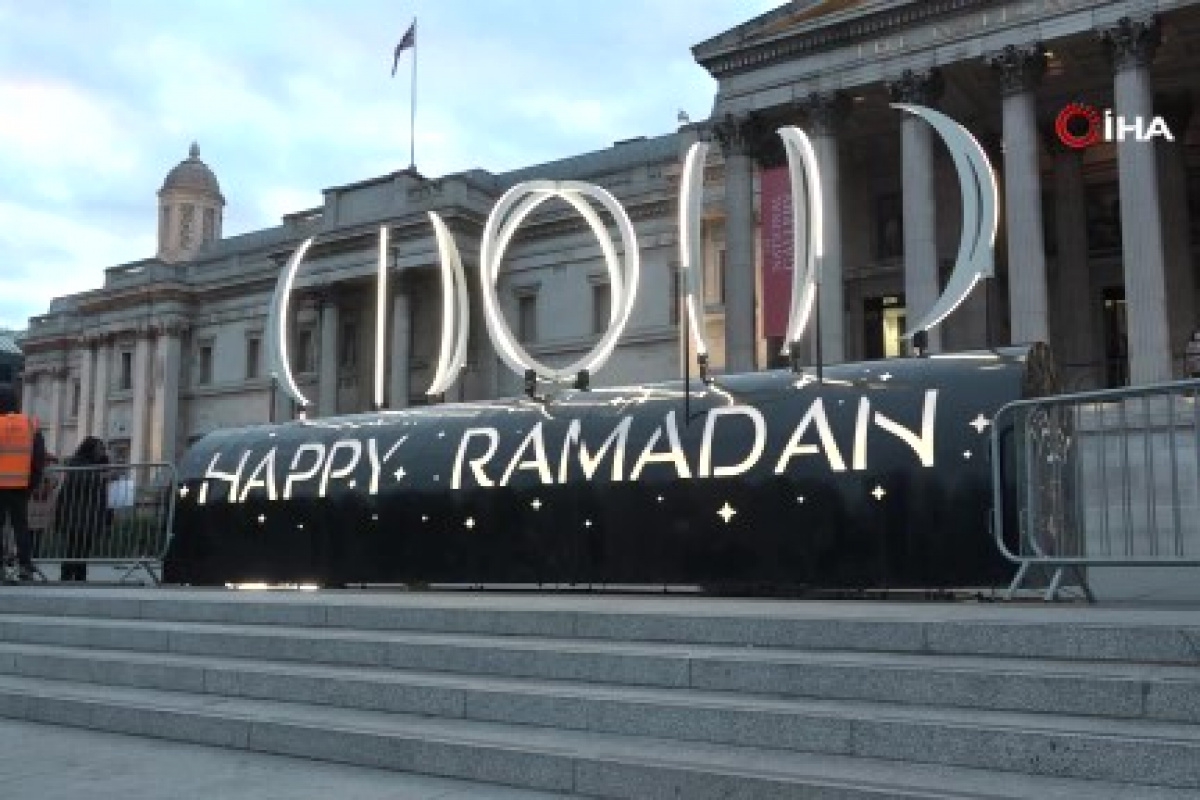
1096	251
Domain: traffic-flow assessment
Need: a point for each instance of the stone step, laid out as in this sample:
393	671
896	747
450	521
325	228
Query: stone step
1158	635
586	763
1083	747
1150	691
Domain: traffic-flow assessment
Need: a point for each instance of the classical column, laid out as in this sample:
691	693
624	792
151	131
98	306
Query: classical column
99	417
164	414
921	283
1075	328
139	444
736	136
1177	233
28	388
1020	69
52	424
824	112
327	377
400	350
87	361
1132	44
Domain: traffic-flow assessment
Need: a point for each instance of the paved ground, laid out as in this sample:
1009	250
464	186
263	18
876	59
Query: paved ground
47	762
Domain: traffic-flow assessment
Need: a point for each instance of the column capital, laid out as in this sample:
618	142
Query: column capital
922	87
738	135
1020	67
1132	42
824	111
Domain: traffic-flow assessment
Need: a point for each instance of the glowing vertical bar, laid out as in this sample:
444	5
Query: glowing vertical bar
381	318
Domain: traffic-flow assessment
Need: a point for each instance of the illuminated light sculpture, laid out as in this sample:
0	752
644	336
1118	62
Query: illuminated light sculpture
277	335
381	319
807	227
691	246
623	274
980	215
452	353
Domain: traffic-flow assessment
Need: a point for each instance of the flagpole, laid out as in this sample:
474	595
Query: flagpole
412	107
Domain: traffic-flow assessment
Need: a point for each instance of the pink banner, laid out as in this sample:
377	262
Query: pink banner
776	232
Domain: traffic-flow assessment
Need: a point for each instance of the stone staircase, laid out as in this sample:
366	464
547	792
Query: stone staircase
626	697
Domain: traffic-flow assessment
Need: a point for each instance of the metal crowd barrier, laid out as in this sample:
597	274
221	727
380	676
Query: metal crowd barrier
1102	479
119	516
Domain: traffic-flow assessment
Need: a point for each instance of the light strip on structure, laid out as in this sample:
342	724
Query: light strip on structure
502	223
381	319
980	214
455	309
278	324
808	240
691	190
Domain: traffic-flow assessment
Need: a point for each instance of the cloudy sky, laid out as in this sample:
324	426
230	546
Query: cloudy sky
100	98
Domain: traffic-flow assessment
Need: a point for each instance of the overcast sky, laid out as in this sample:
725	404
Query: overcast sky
100	98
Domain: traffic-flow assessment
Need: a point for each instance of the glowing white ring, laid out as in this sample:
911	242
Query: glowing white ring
277	324
977	182
507	215
807	229
452	353
691	246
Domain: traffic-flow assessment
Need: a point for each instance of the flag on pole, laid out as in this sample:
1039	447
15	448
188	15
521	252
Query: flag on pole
408	40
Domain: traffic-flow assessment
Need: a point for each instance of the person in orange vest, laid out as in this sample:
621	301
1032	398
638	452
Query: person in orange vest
22	462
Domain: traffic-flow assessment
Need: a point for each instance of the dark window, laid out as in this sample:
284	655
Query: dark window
304	357
125	379
75	398
253	352
204	364
601	307
527	317
210	224
349	346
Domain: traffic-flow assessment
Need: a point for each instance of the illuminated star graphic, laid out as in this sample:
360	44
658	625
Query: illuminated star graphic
587	523
352	484
374	517
979	423
441	434
470	523
183	491
726	513
400	473
536	504
659	498
879	492
800	499
424	518
300	526
966	453
887	376
262	518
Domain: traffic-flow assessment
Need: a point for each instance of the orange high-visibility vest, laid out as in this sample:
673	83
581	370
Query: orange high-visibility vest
16	450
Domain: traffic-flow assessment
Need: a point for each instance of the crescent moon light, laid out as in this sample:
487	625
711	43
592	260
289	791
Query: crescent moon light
977	182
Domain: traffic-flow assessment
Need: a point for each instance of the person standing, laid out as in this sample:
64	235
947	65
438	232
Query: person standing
22	462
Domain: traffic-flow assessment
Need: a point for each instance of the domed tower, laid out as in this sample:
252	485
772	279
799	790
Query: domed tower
190	208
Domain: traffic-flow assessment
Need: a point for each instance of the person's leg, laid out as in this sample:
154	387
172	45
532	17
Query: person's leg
18	514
